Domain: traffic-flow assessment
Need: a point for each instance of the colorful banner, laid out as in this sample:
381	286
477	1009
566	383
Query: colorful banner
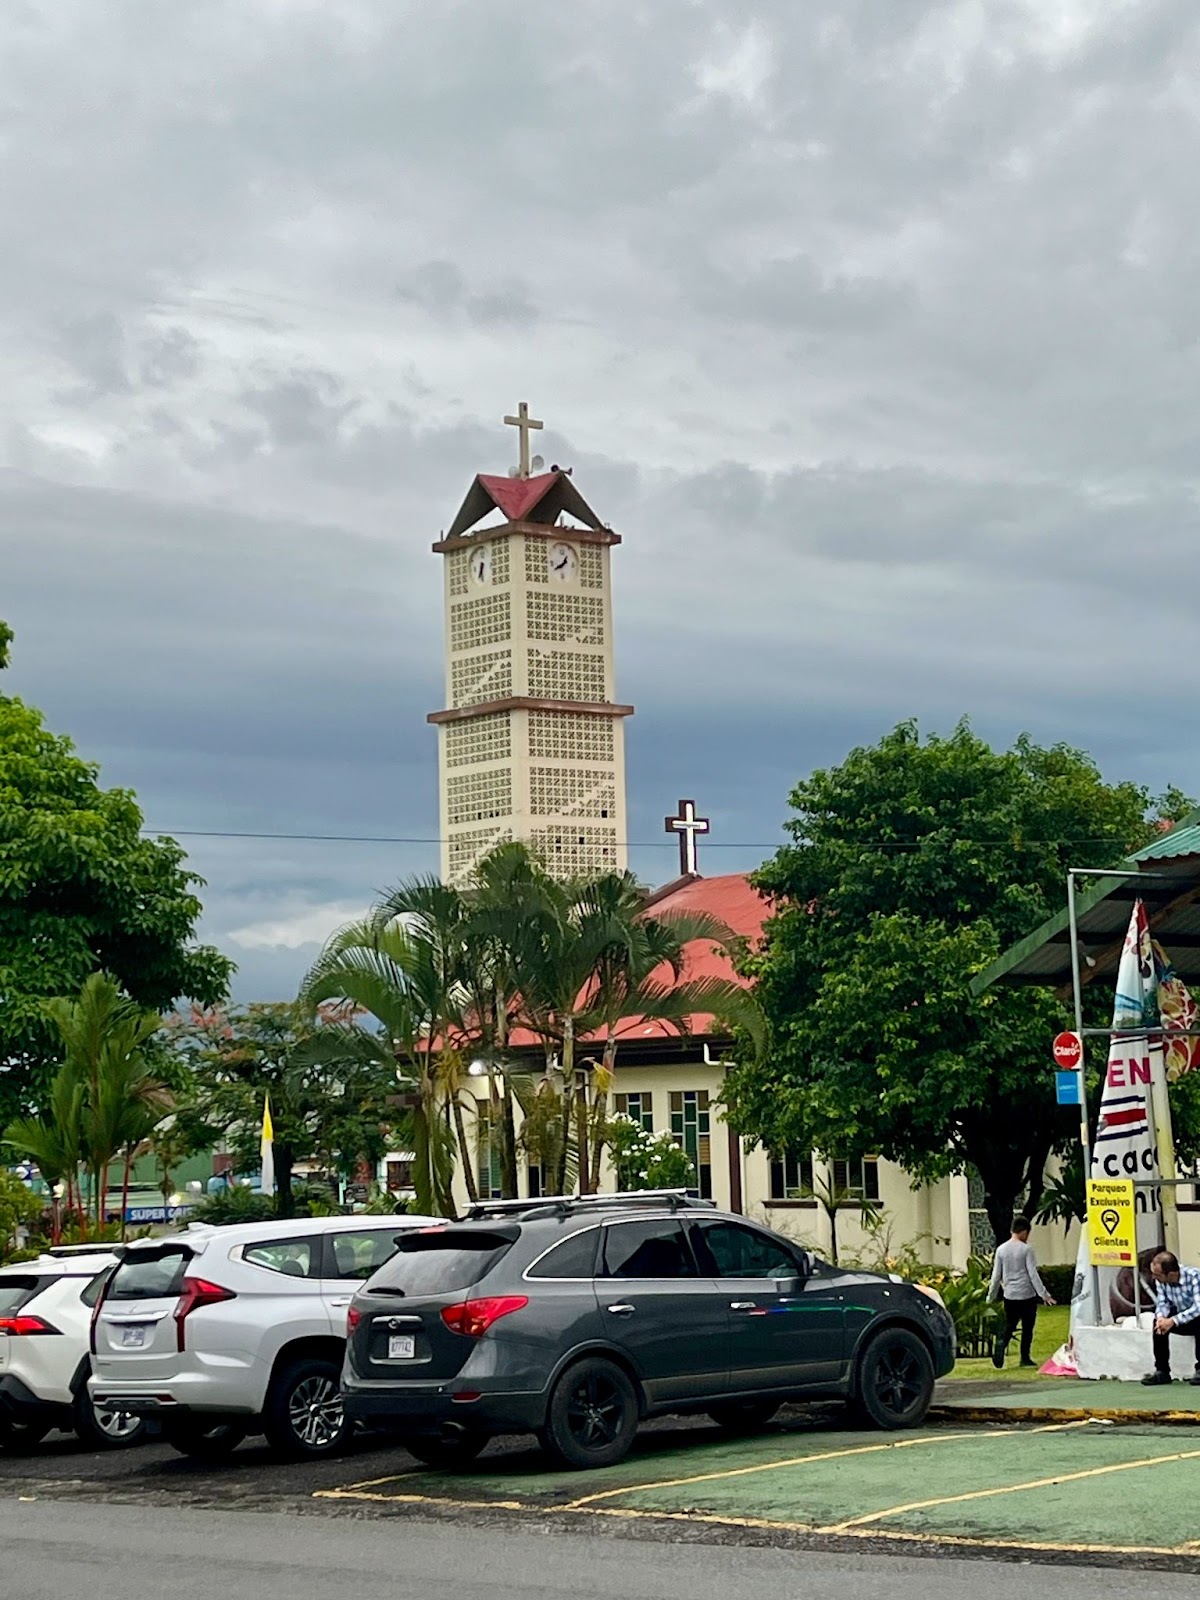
1125	1147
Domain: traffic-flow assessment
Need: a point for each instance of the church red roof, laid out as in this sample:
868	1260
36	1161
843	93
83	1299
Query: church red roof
730	898
542	499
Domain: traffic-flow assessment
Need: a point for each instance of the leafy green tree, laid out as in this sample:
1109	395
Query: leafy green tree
913	865
327	1105
81	890
19	1208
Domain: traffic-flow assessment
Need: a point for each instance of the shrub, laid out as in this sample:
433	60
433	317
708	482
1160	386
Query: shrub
233	1205
1060	1282
976	1319
647	1160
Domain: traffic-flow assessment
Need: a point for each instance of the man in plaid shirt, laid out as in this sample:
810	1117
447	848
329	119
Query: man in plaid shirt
1177	1310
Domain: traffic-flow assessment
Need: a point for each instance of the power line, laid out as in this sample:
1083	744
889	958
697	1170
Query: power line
633	844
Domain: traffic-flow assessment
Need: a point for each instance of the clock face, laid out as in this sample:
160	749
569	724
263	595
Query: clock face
481	564
562	562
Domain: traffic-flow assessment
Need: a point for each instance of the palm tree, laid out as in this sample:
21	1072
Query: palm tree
103	1034
380	968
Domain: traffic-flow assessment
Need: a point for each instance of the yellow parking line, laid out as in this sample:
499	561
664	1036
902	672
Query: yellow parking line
764	1524
803	1461
1011	1488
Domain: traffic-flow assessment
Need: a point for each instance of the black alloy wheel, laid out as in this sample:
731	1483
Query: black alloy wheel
592	1416
895	1380
106	1428
304	1417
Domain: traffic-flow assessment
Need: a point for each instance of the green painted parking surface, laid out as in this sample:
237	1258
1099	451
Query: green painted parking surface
1098	1397
1064	1485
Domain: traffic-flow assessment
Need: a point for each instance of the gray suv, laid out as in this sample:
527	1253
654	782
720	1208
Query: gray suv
576	1318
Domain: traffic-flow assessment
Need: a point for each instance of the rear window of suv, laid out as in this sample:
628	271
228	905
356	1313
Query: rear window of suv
441	1262
149	1277
14	1292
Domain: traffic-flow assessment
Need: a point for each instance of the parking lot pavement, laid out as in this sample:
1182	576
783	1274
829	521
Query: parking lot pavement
1120	1492
1068	1487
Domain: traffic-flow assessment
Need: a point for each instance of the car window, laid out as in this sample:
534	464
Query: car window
648	1250
91	1293
572	1258
442	1261
14	1292
359	1254
740	1252
146	1276
294	1258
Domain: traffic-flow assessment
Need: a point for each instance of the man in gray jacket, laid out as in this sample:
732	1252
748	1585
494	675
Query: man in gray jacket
1015	1277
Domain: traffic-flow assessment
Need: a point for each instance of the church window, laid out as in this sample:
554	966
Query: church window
690	1130
792	1175
856	1179
639	1106
487	1149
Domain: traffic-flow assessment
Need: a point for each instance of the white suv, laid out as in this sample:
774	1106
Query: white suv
222	1332
45	1313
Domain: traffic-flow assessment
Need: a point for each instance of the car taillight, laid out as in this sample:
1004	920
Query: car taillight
25	1325
198	1292
353	1318
474	1317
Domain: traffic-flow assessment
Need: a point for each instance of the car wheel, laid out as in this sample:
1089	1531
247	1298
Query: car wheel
203	1441
18	1436
895	1380
304	1415
744	1416
448	1454
592	1416
105	1428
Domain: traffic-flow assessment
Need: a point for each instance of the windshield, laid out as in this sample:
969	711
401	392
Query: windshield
441	1262
146	1276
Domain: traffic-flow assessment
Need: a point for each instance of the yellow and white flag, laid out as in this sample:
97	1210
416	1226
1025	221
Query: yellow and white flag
268	1148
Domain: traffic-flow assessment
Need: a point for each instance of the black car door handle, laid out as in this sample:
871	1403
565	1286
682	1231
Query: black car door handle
622	1309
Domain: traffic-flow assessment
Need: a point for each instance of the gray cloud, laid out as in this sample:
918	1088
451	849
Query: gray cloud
872	327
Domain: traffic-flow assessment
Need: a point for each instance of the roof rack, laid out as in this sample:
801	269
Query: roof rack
564	1204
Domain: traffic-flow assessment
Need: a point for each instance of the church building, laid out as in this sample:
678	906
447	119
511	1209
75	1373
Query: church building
531	747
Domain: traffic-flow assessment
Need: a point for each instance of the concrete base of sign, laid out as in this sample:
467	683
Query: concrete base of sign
1123	1351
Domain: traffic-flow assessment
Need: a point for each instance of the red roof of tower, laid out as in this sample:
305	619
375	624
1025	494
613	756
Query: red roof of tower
541	499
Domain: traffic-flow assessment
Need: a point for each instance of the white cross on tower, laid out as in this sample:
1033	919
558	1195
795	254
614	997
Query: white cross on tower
687	825
524	422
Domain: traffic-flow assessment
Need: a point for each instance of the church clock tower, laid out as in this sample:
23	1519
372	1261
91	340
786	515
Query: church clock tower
531	743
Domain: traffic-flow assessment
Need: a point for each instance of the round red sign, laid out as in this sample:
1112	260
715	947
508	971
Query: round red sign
1068	1052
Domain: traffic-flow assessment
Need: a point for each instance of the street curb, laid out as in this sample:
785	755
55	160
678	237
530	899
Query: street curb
967	1413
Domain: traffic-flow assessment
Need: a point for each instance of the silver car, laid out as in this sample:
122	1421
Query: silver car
223	1332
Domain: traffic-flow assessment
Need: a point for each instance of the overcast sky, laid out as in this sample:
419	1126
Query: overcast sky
870	324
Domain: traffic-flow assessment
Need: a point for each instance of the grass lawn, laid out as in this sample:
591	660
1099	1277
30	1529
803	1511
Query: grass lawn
1051	1331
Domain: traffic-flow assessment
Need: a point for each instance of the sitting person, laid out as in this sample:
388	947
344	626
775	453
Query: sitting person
1177	1310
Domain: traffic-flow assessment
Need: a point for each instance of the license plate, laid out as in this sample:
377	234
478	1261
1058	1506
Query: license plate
133	1338
401	1347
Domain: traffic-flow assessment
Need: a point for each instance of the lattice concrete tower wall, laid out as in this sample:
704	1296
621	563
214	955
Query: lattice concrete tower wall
531	740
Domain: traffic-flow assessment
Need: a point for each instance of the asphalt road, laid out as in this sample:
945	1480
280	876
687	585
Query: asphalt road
192	1555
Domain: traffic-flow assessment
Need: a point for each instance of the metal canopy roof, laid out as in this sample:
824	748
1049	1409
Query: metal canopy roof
1168	883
